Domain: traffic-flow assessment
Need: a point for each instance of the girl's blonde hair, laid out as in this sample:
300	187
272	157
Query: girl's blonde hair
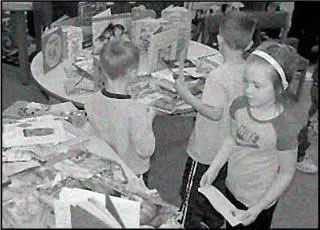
117	57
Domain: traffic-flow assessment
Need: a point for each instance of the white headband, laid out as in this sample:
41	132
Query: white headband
274	63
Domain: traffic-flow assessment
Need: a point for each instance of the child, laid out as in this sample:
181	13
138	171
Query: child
212	121
124	124
118	30
305	163
262	150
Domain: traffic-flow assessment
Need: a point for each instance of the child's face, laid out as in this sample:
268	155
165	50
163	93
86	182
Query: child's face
258	85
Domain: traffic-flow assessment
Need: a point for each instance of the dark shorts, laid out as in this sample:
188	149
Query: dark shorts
199	208
263	220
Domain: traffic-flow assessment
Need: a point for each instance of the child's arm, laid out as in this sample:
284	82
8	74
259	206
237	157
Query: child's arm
211	112
141	134
220	159
287	164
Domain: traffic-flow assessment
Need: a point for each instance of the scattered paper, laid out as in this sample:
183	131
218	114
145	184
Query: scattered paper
102	214
15	155
220	203
129	211
39	130
62	214
164	74
69	168
62	108
9	169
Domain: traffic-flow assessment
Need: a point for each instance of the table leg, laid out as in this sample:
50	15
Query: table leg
21	27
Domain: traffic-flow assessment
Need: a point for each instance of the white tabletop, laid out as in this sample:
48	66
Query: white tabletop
52	82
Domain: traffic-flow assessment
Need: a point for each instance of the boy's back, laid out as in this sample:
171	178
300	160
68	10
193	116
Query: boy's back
123	123
208	135
126	126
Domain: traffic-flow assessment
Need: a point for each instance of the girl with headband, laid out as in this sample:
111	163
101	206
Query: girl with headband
262	148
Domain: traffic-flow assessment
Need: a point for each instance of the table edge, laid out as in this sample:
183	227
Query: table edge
50	93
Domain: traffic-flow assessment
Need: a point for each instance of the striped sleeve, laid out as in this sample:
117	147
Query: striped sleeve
238	103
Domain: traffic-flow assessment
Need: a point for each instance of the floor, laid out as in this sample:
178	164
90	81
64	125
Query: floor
298	208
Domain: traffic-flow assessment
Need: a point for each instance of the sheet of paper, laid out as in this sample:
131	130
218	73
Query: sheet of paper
40	130
62	107
128	210
16	155
220	203
9	169
104	13
62	214
69	168
165	73
103	214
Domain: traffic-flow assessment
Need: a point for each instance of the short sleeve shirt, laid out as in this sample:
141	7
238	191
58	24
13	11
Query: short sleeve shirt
253	165
222	86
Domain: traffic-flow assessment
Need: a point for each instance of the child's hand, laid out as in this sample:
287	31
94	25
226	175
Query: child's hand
237	212
208	177
250	215
180	86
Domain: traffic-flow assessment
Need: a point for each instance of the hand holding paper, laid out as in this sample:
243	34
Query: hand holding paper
208	177
179	83
247	217
222	204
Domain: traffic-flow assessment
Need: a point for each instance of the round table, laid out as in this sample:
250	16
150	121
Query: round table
52	82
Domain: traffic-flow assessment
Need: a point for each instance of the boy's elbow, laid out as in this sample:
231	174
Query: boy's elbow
215	114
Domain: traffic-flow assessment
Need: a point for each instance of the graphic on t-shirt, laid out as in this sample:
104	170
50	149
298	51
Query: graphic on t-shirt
246	137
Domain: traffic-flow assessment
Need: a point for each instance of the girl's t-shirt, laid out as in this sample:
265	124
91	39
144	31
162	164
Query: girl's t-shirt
253	163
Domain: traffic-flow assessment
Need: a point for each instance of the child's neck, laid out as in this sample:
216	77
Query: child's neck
116	86
233	56
267	112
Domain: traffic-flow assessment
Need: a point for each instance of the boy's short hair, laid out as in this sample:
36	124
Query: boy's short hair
237	30
117	57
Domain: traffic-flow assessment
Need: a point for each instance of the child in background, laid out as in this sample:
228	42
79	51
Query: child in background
123	123
213	121
262	149
305	163
118	31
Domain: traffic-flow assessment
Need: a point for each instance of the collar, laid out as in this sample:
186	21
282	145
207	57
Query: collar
115	95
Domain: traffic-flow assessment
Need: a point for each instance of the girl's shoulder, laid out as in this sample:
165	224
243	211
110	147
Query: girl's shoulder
287	127
238	103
